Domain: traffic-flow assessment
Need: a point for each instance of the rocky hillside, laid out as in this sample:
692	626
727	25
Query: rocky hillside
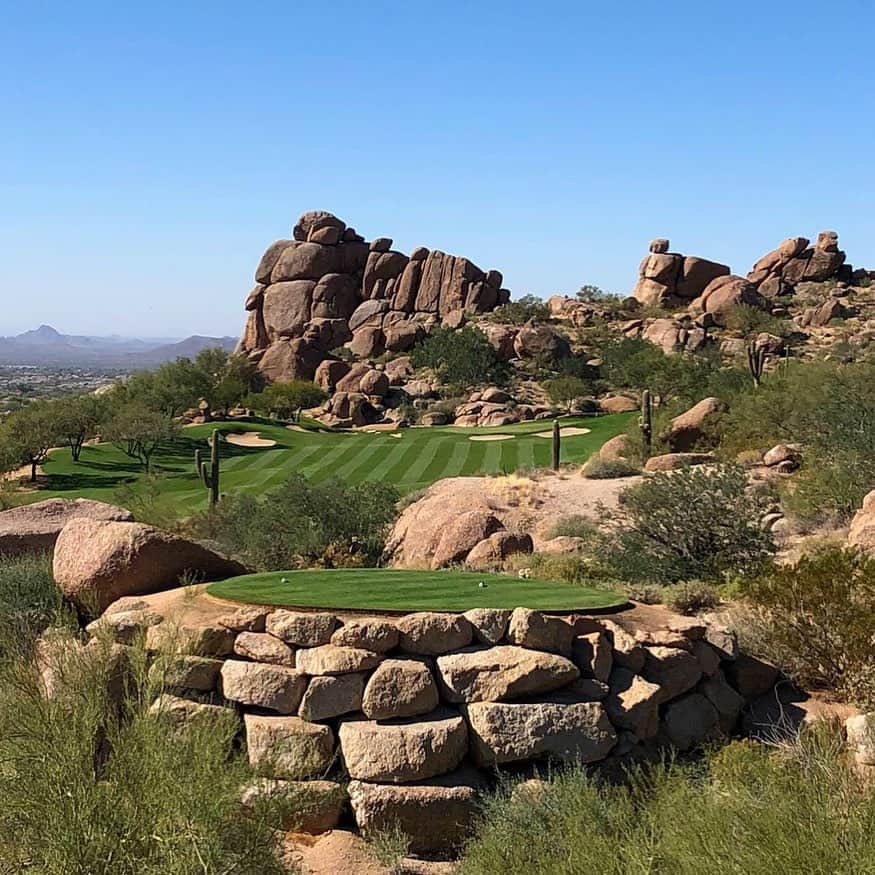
329	306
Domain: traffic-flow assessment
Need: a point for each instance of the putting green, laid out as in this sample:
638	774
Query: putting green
377	589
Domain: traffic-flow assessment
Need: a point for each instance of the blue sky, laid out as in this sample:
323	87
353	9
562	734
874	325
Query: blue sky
150	152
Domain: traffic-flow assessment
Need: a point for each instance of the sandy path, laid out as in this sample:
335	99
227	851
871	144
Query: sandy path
568	431
249	439
491	437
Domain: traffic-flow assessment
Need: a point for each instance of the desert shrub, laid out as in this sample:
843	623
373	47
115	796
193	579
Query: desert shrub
95	788
461	358
29	600
520	311
302	523
820	620
646	593
284	400
830	409
574	526
691	597
748	809
597	468
751	320
565	390
694	523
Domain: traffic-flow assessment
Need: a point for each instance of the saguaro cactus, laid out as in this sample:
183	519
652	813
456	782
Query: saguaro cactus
645	421
756	361
209	471
556	444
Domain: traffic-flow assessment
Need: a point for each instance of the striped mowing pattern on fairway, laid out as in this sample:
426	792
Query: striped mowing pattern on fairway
408	459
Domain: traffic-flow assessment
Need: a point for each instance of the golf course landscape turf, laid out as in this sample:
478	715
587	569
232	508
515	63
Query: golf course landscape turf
378	589
409	458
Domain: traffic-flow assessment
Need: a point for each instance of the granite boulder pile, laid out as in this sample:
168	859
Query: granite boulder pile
326	287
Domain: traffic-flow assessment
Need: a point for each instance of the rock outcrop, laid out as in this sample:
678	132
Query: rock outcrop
326	287
667	279
778	272
862	533
34	528
97	561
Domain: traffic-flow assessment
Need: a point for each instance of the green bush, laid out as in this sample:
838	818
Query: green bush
682	525
748	809
820	620
303	523
829	408
520	311
462	358
597	468
574	526
285	399
91	787
29	600
751	320
691	597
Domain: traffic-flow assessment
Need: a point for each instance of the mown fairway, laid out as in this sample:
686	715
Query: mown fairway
374	589
409	459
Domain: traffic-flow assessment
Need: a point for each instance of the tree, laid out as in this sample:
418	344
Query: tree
79	419
592	294
565	390
138	431
27	436
461	357
284	400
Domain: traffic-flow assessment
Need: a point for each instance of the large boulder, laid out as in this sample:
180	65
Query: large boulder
493	674
862	533
633	703
98	561
434	815
400	751
462	534
690	428
513	732
295	748
430	633
541	341
725	294
331	696
35	527
400	688
273	687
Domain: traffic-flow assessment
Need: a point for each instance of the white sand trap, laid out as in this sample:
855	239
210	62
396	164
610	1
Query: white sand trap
296	428
568	431
249	439
491	437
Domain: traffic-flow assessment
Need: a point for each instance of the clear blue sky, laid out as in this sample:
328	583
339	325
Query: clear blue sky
151	151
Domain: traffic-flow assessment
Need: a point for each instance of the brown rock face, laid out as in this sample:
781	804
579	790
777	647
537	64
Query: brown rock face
434	815
777	272
511	732
97	562
690	428
862	533
35	527
493	674
312	290
398	752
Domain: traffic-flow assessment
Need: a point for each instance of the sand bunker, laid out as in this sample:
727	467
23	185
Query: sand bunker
297	428
568	431
249	439
491	437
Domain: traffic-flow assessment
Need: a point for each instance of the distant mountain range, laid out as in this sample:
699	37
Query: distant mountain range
47	346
